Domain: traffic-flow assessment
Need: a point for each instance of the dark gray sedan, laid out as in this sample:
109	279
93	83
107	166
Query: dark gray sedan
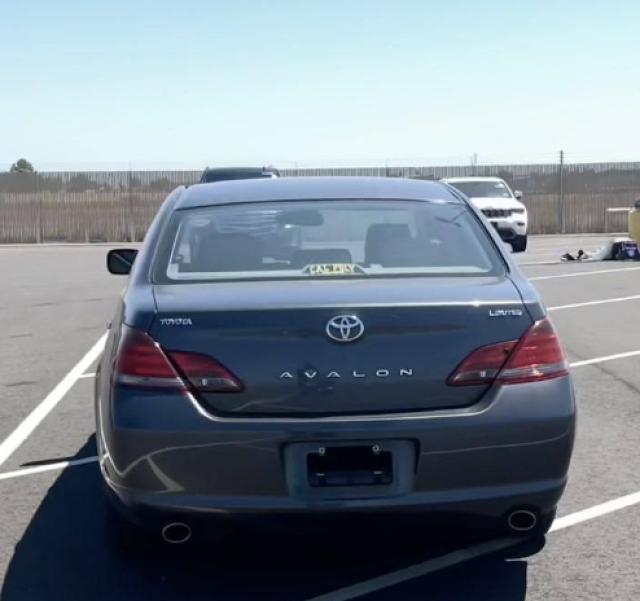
326	345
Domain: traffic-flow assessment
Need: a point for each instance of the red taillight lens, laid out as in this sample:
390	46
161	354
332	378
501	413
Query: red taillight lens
482	365
536	356
204	373
141	362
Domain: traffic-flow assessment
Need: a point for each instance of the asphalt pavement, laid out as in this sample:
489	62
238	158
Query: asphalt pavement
54	303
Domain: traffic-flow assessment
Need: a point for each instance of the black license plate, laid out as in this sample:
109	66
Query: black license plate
349	466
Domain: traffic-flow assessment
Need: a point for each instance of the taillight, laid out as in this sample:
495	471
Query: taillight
537	356
142	362
204	373
482	365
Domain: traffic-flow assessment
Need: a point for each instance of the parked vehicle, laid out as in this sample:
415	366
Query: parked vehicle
395	360
220	174
502	207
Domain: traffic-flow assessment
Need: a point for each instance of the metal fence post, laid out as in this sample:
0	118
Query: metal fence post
132	225
474	164
40	226
562	213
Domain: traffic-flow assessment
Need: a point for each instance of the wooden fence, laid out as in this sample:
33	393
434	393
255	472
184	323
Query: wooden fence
118	206
77	217
583	212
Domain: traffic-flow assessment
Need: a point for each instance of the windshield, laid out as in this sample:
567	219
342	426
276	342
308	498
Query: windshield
483	189
319	239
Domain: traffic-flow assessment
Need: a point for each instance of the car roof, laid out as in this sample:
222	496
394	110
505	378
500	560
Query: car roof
312	188
453	180
239	170
221	172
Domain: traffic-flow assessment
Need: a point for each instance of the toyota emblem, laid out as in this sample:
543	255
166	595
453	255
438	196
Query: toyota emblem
345	328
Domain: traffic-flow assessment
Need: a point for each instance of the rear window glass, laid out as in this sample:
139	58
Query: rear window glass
319	239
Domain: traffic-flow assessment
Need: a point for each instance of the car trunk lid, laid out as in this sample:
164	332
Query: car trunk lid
274	337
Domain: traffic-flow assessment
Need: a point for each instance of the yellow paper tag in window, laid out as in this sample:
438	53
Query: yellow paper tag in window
332	269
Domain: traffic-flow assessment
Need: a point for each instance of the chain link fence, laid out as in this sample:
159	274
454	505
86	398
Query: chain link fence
115	206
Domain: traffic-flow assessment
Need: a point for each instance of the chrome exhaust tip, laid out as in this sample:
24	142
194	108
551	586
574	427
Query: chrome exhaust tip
176	533
522	520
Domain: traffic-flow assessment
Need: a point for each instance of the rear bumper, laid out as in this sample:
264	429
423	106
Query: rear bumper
163	456
487	503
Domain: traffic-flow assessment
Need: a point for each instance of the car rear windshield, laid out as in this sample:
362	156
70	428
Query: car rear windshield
483	189
320	239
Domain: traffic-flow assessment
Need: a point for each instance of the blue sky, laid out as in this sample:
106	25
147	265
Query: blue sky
183	84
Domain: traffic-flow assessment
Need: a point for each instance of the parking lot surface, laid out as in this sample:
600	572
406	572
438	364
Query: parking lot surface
54	303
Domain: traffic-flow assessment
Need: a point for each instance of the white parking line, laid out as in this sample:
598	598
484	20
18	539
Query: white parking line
605	301
37	469
87	375
415	571
605	358
538	278
533	263
462	555
30	423
596	511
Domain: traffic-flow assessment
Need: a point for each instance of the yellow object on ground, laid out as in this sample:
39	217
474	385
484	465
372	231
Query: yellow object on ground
634	223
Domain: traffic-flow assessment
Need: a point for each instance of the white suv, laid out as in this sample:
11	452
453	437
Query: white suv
500	205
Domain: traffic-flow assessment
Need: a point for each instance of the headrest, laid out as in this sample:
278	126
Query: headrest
228	252
385	242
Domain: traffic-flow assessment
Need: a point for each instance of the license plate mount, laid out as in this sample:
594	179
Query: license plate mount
350	466
332	470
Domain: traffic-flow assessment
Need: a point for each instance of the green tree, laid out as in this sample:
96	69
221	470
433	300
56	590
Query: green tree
22	166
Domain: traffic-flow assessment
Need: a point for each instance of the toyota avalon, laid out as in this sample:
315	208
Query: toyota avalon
329	345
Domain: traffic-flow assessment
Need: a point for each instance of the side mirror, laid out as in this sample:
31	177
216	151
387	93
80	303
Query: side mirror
518	194
120	260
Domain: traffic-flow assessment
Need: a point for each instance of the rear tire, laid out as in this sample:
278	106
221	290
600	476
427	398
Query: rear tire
519	244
